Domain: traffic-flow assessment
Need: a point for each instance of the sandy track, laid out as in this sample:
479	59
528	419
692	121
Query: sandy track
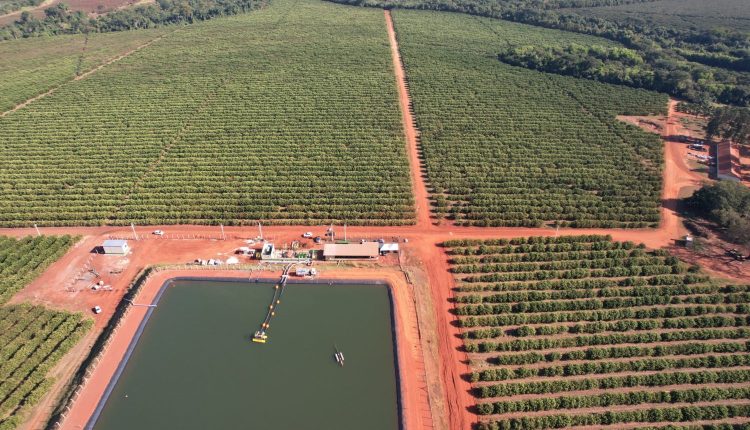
423	237
419	188
117	58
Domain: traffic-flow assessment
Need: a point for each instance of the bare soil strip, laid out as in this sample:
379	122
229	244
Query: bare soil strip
421	196
451	362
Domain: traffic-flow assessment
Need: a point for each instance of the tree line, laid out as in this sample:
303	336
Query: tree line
60	19
697	65
623	66
728	205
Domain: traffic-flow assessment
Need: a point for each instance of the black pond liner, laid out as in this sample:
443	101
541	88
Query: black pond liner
141	327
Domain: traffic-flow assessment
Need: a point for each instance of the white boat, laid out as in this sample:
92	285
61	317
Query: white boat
339	356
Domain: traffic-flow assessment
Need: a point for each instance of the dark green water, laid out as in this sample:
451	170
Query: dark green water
195	367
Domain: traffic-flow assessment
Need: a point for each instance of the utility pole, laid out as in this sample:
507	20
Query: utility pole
223	237
135	236
260	230
37	230
344	232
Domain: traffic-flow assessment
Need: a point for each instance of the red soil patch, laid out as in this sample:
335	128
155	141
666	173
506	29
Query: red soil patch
419	189
451	362
90	7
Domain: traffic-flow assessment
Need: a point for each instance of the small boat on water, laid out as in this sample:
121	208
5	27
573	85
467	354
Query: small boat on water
339	356
260	336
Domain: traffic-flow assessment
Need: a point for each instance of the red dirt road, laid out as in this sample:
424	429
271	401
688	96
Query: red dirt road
58	287
423	237
419	189
677	175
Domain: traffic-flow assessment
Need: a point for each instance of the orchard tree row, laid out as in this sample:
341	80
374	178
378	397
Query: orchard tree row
22	260
567	328
32	339
506	146
291	123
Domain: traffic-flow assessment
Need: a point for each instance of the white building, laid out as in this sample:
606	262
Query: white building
116	247
388	248
351	251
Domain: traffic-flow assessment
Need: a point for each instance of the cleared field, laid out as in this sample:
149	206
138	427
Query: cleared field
506	146
704	15
583	331
32	339
33	66
287	115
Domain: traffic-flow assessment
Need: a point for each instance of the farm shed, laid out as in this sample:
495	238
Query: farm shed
115	247
387	248
367	250
728	162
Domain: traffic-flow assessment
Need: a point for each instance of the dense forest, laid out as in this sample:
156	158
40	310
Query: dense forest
59	19
728	205
701	66
628	67
730	123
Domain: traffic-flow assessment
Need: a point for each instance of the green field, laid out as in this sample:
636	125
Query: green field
33	66
32	339
506	146
699	14
594	332
287	115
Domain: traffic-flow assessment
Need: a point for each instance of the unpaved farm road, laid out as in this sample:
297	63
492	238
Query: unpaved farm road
424	238
184	243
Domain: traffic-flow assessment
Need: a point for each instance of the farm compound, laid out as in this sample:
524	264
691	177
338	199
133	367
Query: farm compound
367	250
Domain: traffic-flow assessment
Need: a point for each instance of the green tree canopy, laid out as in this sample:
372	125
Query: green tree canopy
730	123
727	204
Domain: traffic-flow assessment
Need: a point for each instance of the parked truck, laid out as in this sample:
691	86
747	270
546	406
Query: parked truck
306	271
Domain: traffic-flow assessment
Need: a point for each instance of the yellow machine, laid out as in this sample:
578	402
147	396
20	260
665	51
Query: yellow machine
260	337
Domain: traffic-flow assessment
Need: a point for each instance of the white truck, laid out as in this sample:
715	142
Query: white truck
306	271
